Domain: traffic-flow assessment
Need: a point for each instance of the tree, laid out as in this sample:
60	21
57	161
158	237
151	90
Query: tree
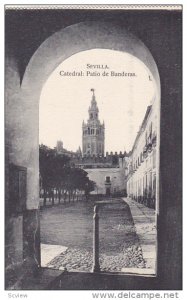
77	179
89	187
52	171
57	173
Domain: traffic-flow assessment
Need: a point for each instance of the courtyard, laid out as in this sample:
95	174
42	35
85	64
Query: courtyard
69	226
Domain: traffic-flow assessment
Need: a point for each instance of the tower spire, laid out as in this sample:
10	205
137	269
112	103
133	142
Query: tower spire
93	96
93	132
93	90
93	109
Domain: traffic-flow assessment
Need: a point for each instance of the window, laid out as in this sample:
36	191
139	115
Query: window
108	179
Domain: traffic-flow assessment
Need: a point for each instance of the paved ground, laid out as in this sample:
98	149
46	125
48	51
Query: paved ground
145	224
71	226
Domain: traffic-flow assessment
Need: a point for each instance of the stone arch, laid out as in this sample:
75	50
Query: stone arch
55	49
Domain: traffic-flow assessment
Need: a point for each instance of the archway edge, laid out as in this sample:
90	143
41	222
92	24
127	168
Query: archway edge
81	37
53	51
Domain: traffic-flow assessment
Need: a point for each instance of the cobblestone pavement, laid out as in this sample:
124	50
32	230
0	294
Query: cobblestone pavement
81	260
72	226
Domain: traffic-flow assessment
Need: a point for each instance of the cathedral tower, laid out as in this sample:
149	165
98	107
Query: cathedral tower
93	132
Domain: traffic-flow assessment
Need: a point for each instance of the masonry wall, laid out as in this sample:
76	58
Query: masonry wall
14	222
22	241
117	178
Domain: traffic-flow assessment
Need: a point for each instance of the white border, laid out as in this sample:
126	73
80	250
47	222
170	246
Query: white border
96	6
83	294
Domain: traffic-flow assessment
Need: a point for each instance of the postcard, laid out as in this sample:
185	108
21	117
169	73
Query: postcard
93	137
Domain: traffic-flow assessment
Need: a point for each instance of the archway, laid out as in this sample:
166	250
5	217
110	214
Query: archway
57	48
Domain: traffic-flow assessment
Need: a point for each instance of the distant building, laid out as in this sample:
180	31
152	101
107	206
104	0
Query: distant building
134	172
107	171
93	132
72	154
141	162
108	181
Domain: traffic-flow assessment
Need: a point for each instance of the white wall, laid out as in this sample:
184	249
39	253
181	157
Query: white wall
99	175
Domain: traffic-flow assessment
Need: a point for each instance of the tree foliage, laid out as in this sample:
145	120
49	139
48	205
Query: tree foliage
56	172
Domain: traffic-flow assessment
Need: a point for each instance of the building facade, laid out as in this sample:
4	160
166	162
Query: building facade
141	162
108	181
93	132
108	172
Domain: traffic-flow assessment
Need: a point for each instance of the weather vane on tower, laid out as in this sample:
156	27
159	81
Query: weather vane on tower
92	90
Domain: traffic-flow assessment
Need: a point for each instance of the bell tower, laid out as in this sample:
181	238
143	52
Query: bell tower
93	132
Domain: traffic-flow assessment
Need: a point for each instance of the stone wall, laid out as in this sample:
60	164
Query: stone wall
21	228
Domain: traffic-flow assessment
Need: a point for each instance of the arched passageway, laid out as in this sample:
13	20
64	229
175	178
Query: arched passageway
57	48
49	55
54	50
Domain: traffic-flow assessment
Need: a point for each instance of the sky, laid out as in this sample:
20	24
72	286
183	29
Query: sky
122	100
